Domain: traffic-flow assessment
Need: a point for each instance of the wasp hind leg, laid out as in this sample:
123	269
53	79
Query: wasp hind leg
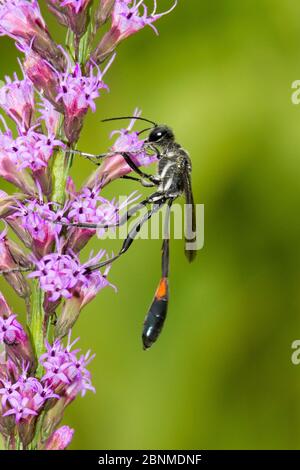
157	313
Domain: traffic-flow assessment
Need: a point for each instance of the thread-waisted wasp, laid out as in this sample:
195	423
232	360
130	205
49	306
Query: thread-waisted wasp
173	178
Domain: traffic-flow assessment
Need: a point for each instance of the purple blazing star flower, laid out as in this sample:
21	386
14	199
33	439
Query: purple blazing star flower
20	407
58	274
8	390
43	392
79	376
25	397
129	141
49	116
33	150
89	207
11	331
78	92
17	100
36	218
65	372
62	274
127	19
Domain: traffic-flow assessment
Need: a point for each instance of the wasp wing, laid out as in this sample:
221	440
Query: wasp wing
190	218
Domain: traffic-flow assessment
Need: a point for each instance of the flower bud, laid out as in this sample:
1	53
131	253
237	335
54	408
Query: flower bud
8	203
53	417
42	75
26	430
16	341
7	262
104	11
10	173
72	14
60	439
17	100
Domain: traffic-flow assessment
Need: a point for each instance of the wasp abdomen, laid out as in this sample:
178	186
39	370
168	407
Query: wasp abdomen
156	316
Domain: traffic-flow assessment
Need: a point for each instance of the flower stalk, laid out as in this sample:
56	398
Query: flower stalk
41	374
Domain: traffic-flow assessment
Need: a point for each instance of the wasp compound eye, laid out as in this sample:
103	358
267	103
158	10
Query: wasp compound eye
161	133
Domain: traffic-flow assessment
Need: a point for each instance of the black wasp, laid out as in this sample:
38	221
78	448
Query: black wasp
173	178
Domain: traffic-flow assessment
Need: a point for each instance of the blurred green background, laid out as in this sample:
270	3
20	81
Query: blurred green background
221	376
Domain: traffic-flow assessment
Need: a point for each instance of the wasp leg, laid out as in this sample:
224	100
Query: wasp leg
93	158
154	179
131	235
133	210
157	313
146	184
19	269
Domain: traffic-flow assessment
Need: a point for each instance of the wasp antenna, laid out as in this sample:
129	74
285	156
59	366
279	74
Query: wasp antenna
144	130
129	117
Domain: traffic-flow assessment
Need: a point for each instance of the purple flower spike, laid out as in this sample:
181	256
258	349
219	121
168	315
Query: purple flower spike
17	100
60	439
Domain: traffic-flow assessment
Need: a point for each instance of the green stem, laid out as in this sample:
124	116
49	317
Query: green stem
36	324
60	173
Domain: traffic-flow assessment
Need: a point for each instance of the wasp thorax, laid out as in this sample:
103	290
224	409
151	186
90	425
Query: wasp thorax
161	134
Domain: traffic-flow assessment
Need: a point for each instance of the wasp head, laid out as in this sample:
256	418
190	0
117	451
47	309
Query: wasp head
161	135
